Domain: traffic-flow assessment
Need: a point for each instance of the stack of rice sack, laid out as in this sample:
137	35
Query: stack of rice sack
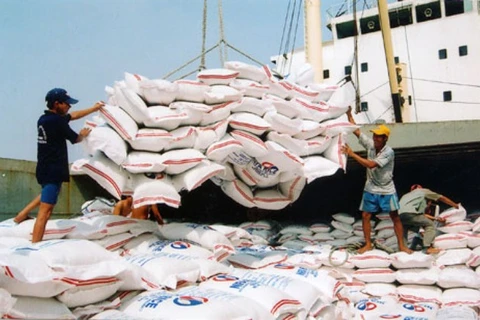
259	139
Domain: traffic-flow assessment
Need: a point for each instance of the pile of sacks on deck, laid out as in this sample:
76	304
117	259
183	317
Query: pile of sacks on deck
102	266
260	139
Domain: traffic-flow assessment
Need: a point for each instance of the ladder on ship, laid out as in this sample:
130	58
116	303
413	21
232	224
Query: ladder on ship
222	45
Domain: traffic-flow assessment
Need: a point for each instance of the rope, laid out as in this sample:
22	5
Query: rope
188	62
284	28
348	249
295	34
222	50
204	34
245	54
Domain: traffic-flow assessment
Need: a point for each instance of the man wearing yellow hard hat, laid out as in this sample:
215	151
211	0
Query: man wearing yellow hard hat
379	193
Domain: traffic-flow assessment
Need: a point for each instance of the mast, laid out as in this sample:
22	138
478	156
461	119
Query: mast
387	43
313	38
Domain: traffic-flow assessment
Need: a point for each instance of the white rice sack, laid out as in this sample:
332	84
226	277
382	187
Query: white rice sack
250	88
101	225
277	302
253	105
228	174
458	276
247	71
309	129
6	302
222	94
30	276
461	297
456	227
159	91
282	106
476	225
157	190
383	275
352	290
419	276
375	308
195	177
143	161
270	199
280	88
454	256
325	90
334	153
201	234
107	140
218	151
320	228
38	308
317	167
72	252
190	90
120	121
217	76
292	189
178	161
453	214
151	139
240	192
418	293
305	292
220	111
417	259
252	146
206	136
195	111
296	146
133	80
95	291
371	259
194	303
344	217
473	238
131	102
282	124
459	312
450	241
182	138
248	122
342	226
315	111
99	204
164	118
380	289
256	260
115	242
304	92
336	126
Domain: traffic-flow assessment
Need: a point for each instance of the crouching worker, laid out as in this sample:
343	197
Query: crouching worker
125	208
415	213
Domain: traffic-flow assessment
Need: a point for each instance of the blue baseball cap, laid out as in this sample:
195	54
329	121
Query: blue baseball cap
60	95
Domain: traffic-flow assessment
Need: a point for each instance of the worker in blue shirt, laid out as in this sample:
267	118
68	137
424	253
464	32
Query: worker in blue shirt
52	156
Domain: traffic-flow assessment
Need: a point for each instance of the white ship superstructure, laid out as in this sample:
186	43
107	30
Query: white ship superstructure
436	45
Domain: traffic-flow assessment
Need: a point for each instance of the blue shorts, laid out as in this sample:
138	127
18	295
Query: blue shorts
376	203
50	193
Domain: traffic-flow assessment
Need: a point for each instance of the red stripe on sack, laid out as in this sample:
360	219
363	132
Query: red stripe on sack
213	173
142	200
311	106
306	93
171	116
292	157
80	283
137	77
292	187
243	194
195	83
118	244
184	161
367	272
115	123
8	272
106	177
150	284
270	200
218	76
339	151
248	137
224	144
267	71
120	223
137	165
154	135
282	303
248	125
59	231
249	176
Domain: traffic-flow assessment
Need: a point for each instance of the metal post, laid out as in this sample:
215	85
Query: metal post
313	38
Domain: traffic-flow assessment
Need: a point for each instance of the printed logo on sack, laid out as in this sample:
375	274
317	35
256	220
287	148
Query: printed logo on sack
413	307
189	301
366	306
224	277
284	266
264	169
180	245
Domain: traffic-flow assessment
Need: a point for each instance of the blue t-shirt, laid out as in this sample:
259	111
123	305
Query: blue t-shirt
52	155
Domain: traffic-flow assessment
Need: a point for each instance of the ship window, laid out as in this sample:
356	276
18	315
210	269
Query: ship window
369	24
463	51
326	74
397	60
363	106
447	95
346	29
428	11
400	17
453	7
442	54
409	100
364	67
348	70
